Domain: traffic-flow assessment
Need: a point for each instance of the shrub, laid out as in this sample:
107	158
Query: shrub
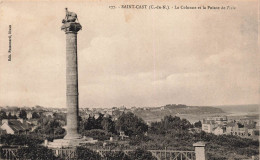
116	156
84	153
39	153
9	139
141	154
98	134
131	124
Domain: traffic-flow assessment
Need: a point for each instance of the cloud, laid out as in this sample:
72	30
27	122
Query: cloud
150	59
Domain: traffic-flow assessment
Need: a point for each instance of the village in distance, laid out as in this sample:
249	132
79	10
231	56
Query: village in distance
233	129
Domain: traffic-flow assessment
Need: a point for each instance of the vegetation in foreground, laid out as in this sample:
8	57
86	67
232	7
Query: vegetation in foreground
171	133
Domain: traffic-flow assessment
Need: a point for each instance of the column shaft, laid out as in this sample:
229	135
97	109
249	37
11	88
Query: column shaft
72	85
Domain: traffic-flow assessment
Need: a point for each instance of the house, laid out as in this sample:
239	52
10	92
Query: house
221	120
109	112
237	130
13	113
48	114
29	115
251	132
96	116
32	122
84	116
219	130
208	125
133	108
14	126
107	115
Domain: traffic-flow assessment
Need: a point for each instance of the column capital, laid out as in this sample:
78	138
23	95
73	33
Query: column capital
71	27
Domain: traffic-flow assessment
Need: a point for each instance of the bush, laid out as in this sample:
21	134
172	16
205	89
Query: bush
84	153
116	156
39	153
98	134
131	124
137	140
9	139
141	154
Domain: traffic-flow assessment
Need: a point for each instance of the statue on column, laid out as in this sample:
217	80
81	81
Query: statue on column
69	23
70	16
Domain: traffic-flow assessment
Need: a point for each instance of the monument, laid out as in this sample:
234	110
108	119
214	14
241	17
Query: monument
71	28
72	138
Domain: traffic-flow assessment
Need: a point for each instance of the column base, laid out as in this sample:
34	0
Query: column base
72	136
67	143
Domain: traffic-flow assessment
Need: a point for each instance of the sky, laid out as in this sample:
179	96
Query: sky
131	57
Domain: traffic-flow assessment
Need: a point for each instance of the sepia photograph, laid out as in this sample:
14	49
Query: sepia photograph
129	80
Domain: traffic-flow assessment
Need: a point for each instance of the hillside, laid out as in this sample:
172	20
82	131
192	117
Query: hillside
192	113
240	108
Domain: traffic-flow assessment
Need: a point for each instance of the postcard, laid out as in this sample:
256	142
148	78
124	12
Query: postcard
129	79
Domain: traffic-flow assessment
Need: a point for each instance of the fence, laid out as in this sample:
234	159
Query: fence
70	153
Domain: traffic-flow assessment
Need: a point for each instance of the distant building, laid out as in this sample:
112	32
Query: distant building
219	130
84	116
107	115
221	125
15	127
221	120
29	115
208	125
13	113
239	130
96	116
109	112
48	114
133	108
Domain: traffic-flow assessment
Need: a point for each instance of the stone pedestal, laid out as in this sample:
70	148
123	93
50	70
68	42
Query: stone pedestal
67	143
200	150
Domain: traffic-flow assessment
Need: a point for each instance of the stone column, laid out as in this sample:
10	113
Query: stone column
71	29
200	151
72	85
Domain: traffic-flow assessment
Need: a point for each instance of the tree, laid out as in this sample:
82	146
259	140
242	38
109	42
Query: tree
9	116
198	124
93	123
23	114
131	124
240	125
90	123
3	115
108	124
98	121
60	116
35	115
170	123
50	127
